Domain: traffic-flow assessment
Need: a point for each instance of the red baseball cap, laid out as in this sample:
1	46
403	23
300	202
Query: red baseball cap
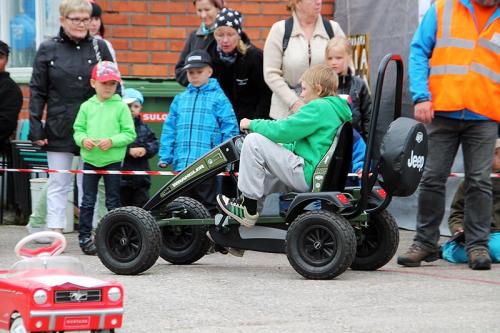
106	71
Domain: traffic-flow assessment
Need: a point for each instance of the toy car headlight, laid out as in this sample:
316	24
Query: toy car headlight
40	296
114	294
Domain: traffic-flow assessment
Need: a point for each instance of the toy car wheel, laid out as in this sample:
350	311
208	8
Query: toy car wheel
320	245
377	243
17	325
128	240
184	244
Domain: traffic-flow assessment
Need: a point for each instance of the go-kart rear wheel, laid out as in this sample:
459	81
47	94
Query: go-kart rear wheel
377	243
320	245
128	240
184	244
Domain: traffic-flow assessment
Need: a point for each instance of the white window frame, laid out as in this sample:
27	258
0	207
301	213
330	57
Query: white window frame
21	74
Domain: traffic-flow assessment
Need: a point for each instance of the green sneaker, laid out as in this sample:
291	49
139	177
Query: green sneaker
237	210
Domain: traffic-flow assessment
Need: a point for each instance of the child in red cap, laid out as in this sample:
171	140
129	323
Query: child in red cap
103	129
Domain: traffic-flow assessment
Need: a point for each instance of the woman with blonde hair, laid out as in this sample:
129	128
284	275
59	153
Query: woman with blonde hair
61	82
237	65
292	46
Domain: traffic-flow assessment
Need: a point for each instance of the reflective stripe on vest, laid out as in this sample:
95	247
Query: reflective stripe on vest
464	67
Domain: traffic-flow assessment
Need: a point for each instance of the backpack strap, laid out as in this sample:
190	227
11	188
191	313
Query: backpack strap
289	28
328	27
288	32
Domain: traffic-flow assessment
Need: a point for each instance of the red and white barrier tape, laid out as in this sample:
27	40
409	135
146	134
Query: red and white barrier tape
162	173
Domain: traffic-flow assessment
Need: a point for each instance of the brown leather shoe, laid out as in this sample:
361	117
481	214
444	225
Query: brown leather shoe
415	255
479	258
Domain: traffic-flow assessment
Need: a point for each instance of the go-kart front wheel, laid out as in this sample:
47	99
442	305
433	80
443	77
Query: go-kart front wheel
377	243
128	240
184	244
320	245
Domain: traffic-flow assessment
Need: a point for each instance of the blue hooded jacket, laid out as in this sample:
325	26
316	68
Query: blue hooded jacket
200	118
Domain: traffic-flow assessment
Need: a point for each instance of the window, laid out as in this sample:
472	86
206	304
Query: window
24	24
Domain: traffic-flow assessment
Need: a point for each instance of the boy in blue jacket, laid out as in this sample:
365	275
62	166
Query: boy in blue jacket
200	118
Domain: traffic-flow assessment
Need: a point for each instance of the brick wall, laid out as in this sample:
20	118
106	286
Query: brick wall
149	34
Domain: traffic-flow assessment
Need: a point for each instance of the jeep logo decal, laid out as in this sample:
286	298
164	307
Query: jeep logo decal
419	137
416	161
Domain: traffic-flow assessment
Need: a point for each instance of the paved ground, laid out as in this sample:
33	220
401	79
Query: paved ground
262	293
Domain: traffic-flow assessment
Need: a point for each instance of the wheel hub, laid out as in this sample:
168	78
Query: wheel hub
317	245
124	241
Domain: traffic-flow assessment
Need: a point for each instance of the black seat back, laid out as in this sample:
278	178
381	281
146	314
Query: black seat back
331	172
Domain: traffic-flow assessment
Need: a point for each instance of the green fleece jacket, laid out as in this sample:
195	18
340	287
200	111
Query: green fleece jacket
308	133
98	120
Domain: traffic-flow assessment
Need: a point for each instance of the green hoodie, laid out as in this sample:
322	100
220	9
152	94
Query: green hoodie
308	133
102	120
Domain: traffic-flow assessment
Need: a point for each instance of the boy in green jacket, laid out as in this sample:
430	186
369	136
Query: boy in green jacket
103	129
281	155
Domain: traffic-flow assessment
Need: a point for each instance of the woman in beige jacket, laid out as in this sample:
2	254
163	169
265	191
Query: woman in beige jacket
306	47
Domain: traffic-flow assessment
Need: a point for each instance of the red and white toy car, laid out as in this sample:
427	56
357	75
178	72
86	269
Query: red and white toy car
44	292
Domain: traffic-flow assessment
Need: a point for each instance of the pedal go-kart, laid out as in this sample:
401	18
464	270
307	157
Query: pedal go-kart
347	227
44	292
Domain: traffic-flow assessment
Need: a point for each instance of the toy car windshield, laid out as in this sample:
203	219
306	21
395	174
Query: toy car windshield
67	264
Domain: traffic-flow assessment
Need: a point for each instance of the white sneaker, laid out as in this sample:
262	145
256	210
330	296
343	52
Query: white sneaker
237	210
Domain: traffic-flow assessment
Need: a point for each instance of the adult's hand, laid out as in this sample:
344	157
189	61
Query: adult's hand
244	124
41	143
424	112
296	106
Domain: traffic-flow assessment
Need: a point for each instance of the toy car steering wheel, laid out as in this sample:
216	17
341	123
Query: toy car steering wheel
55	248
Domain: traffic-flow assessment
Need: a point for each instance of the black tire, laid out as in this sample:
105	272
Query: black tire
184	244
128	240
377	243
320	245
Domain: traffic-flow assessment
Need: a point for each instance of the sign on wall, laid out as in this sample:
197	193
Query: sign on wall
360	56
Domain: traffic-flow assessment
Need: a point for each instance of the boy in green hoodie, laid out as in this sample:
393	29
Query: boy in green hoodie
103	129
281	155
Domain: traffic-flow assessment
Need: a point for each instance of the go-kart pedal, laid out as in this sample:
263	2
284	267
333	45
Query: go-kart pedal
225	250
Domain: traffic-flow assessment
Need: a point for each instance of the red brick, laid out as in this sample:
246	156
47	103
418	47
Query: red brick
150	70
151	45
104	4
188	21
129	6
171	7
164	58
124	69
246	9
114	18
134	57
24	114
129	32
278	8
253	34
168	33
176	45
149	20
259	43
119	44
259	21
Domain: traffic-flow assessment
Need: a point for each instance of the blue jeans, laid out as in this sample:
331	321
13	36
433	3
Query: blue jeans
90	182
478	145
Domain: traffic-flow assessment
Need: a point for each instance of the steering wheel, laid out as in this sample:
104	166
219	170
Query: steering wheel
55	248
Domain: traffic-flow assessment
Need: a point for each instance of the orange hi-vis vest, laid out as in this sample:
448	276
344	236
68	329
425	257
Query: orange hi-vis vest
465	63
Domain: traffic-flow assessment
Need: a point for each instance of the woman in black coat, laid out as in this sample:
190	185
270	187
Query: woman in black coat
61	82
237	65
202	37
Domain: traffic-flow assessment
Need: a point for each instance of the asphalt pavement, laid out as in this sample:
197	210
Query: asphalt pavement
262	293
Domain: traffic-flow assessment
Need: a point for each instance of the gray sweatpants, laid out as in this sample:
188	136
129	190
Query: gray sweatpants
266	167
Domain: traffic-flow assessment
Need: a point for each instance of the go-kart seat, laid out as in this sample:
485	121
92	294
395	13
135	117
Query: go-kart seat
331	172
